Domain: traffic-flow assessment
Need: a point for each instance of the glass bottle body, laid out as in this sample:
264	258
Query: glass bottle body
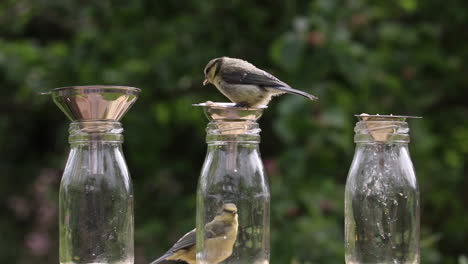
96	199
382	205
233	174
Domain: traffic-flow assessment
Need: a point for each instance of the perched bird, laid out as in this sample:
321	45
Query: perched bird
220	236
245	84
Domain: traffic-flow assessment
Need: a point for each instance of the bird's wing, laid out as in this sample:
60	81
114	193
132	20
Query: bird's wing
237	75
170	262
212	229
162	259
184	242
215	229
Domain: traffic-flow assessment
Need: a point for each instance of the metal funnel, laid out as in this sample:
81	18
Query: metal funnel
96	102
382	127
228	111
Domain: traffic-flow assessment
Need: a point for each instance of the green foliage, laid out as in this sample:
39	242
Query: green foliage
401	57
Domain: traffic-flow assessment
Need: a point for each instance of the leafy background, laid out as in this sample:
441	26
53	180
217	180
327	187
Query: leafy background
401	57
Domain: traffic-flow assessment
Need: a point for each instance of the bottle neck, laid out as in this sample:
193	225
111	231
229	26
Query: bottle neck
221	132
84	132
381	132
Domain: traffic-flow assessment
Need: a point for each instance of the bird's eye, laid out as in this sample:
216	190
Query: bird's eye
210	66
207	70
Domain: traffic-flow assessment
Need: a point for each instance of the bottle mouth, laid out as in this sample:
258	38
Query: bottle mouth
382	129
86	131
246	131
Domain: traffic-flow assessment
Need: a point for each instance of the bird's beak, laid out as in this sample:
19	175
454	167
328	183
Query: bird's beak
205	82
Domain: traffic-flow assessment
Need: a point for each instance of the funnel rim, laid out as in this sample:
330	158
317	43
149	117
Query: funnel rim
229	111
390	116
95	102
107	88
222	105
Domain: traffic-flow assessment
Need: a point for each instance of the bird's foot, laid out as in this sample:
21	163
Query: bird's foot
242	105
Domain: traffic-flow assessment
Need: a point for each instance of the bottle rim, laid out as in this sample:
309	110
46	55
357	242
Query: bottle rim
93	131
381	131
220	131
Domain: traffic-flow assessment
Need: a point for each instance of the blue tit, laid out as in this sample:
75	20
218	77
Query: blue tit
220	237
245	84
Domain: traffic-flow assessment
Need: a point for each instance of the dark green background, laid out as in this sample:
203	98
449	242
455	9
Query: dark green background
400	57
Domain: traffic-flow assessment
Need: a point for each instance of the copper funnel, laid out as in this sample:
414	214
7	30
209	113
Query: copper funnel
97	102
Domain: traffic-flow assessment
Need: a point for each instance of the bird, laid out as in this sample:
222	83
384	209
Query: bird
244	84
220	237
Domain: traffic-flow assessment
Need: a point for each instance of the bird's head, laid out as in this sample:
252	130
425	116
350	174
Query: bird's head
212	69
229	212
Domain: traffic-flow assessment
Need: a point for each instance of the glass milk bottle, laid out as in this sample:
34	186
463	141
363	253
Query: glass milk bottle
382	197
233	199
96	199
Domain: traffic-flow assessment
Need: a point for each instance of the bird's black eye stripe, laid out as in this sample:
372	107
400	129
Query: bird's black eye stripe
208	69
211	66
219	62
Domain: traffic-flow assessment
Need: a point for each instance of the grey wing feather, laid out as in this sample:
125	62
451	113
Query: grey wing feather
236	75
163	261
186	241
212	229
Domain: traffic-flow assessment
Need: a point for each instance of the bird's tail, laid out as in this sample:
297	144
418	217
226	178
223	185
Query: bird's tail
288	89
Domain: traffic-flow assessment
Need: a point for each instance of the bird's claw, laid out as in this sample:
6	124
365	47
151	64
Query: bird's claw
242	105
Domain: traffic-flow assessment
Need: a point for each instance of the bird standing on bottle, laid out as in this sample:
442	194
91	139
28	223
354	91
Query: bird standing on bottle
245	84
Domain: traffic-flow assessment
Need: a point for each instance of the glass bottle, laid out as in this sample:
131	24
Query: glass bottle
233	198
382	197
95	198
